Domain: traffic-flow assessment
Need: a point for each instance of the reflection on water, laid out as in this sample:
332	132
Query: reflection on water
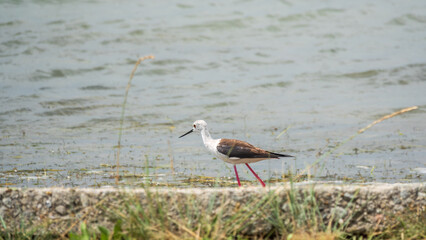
322	70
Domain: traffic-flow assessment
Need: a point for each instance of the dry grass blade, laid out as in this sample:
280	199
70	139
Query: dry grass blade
387	117
171	157
284	131
353	136
196	236
81	218
122	113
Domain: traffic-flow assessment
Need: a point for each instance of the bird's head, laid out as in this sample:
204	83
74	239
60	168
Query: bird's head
197	126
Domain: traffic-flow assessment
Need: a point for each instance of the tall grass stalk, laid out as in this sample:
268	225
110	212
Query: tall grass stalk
123	107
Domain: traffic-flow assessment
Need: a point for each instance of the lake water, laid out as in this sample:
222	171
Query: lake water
294	77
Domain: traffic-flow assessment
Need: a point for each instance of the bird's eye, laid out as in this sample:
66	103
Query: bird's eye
195	126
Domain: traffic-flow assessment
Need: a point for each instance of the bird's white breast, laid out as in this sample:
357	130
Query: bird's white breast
211	146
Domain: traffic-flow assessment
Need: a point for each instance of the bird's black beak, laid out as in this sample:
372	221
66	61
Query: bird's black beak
187	133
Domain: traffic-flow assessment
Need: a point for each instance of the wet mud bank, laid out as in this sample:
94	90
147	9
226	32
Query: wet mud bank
357	208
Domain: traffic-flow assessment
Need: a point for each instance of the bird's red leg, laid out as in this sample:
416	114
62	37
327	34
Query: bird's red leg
236	174
258	178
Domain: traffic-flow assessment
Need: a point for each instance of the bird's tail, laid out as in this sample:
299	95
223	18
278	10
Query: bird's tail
277	155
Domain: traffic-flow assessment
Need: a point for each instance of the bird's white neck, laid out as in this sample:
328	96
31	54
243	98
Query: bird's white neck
206	135
209	142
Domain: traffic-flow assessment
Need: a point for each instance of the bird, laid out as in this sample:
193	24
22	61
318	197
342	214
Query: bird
232	150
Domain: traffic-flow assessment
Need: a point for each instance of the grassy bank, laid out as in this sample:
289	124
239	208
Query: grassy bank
290	213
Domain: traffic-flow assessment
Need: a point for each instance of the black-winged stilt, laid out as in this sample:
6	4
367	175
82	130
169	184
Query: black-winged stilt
233	151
